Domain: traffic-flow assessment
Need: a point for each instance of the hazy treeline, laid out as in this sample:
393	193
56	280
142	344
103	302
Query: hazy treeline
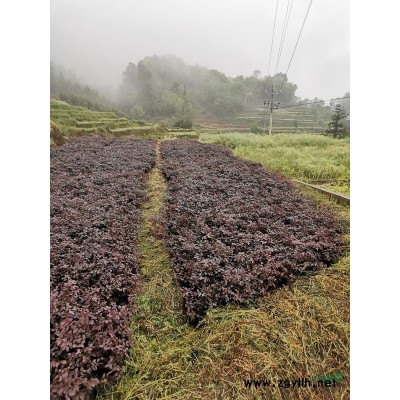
65	86
164	86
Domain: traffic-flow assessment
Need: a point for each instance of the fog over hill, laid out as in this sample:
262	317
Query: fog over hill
98	39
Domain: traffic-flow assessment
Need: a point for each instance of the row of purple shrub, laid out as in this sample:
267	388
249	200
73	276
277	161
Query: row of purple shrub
235	230
97	188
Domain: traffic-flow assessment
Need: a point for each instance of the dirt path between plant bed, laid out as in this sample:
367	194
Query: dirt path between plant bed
156	357
159	302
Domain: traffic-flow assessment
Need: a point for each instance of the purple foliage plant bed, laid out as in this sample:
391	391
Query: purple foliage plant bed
237	231
97	188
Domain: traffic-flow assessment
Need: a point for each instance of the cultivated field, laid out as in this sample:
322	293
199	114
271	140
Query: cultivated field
97	187
236	231
193	271
309	118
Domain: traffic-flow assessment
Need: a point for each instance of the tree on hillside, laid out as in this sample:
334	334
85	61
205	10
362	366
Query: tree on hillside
346	102
346	106
137	113
336	128
186	117
64	86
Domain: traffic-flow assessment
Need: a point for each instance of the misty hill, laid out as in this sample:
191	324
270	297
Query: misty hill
66	87
164	86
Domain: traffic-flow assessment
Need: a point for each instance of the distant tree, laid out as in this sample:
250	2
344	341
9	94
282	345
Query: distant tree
64	86
345	103
175	88
187	112
137	113
336	128
183	123
255	128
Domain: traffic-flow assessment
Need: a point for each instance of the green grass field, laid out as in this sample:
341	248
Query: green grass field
302	156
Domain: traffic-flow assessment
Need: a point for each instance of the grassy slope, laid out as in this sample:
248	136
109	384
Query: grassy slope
302	156
296	331
77	121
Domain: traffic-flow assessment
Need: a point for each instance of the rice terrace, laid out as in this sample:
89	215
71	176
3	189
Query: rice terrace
199	220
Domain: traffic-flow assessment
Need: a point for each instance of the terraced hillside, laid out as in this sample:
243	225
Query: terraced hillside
292	119
80	121
73	121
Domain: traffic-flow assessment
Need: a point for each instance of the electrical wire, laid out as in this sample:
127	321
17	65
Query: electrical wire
312	102
295	47
284	30
315	102
273	35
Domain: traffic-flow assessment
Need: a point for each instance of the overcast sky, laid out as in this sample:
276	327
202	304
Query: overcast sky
98	38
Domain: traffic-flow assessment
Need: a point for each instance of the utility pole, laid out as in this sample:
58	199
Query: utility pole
265	115
272	107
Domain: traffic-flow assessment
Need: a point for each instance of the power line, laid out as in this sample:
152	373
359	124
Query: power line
296	105
280	42
301	30
274	105
315	102
271	103
295	47
273	34
312	102
284	30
